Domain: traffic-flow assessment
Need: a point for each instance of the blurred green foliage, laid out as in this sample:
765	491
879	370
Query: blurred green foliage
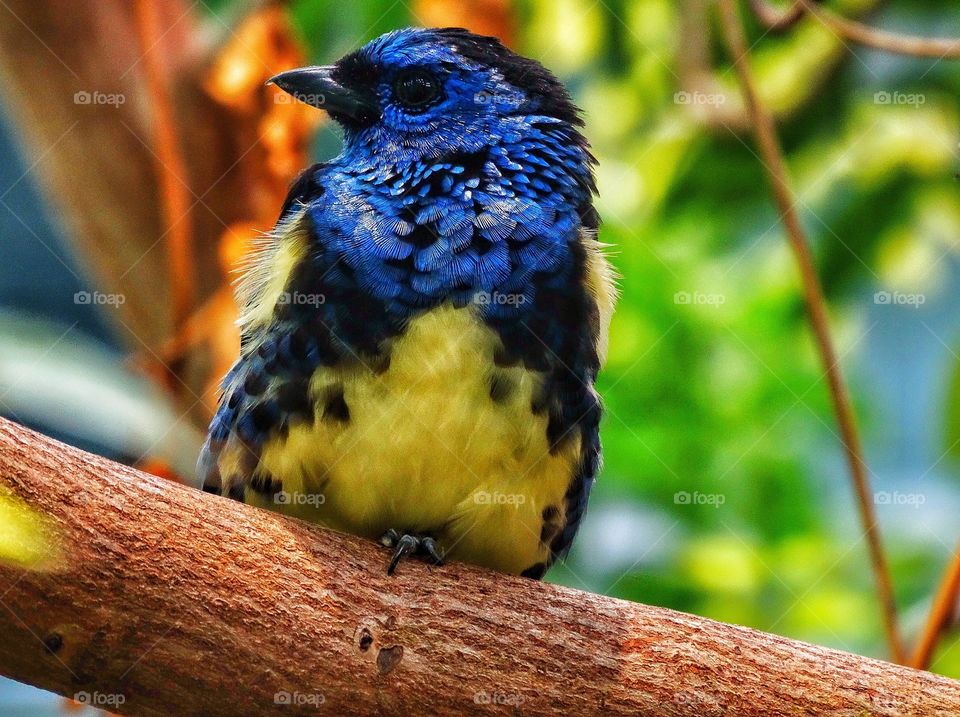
721	451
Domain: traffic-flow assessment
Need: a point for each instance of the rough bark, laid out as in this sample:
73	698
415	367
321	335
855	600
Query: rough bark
188	604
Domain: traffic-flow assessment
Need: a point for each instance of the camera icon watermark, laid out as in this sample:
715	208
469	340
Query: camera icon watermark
299	699
912	99
495	98
913	500
297	498
707	99
697	498
707	705
314	100
98	298
298	298
496	298
698	298
897	298
502	699
101	700
483	497
84	97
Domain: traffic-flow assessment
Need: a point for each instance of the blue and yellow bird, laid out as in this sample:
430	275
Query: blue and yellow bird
422	331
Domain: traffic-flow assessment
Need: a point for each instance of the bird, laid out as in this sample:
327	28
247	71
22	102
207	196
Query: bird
422	330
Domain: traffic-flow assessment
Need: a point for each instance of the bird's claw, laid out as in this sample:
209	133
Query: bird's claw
409	544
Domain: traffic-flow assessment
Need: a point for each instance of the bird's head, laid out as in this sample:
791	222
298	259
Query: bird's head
421	93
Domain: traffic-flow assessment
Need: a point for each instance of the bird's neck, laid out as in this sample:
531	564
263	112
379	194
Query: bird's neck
481	218
523	156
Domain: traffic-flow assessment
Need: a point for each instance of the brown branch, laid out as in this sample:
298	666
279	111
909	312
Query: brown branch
937	48
778	20
170	169
853	31
150	598
777	174
944	608
696	75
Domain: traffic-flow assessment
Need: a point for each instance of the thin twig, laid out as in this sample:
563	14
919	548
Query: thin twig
853	31
695	71
776	170
944	608
170	167
937	48
778	20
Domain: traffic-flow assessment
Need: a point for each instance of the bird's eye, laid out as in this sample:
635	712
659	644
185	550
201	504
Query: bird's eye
416	90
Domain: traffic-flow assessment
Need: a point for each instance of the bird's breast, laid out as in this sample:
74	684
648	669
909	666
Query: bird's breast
435	438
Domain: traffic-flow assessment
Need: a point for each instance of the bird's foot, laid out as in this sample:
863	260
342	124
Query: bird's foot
405	544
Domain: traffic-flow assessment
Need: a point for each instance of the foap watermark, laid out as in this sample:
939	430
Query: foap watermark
84	97
316	99
706	704
697	498
298	298
885	497
98	298
100	498
297	498
299	699
102	700
498	98
504	699
496	298
698	298
497	498
708	99
897	298
912	99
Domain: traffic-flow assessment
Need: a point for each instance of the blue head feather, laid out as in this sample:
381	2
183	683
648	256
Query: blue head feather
472	189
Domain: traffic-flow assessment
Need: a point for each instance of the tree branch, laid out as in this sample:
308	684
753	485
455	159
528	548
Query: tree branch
778	20
154	599
943	611
853	31
776	170
937	48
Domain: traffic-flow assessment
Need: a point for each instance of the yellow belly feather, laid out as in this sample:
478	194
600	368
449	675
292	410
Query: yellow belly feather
427	449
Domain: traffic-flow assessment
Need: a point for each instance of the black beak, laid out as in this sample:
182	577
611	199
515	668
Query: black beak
317	87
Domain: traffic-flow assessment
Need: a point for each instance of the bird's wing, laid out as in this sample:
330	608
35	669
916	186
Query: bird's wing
266	391
601	292
268	388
